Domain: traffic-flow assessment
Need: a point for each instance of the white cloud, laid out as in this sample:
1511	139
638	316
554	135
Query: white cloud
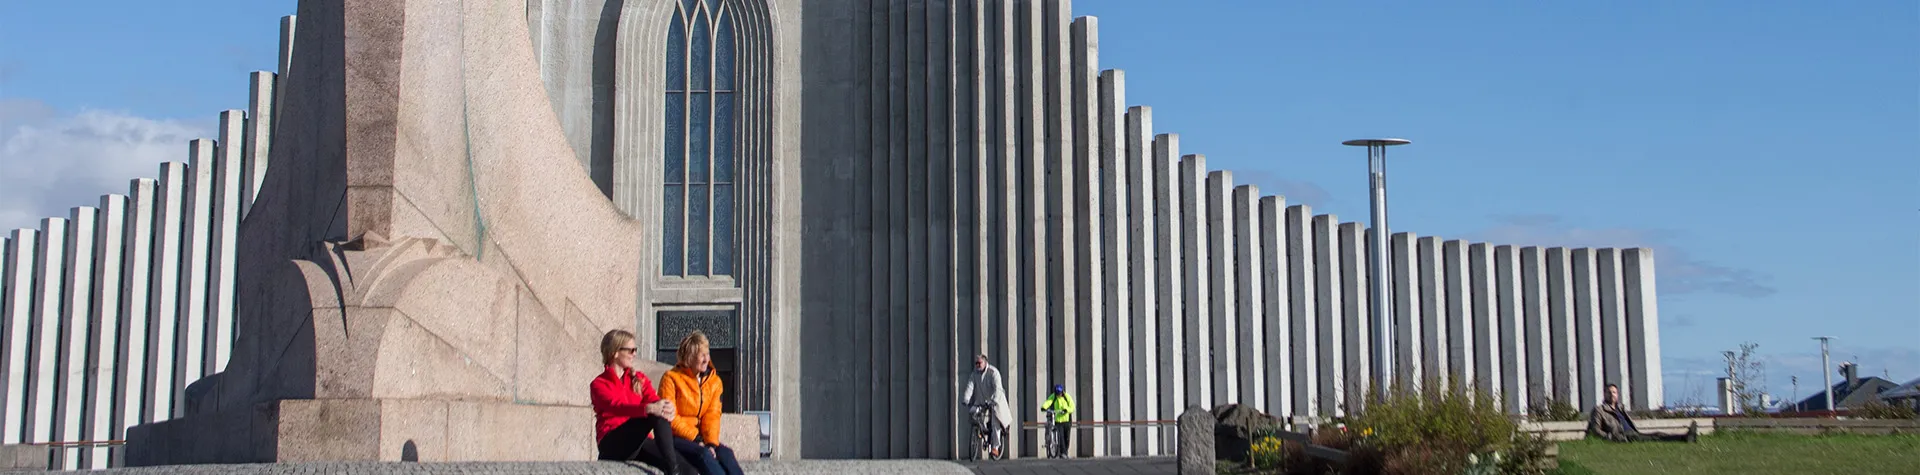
54	162
1297	192
1679	272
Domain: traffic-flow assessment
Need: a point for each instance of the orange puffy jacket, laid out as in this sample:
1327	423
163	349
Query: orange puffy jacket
696	402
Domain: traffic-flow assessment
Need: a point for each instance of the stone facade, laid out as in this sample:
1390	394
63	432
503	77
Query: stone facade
464	196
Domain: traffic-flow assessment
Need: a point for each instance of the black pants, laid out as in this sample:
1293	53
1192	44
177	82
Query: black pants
630	442
1065	432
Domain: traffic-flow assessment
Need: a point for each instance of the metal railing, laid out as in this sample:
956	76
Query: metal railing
1167	429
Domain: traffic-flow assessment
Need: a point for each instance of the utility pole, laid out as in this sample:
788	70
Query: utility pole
1826	371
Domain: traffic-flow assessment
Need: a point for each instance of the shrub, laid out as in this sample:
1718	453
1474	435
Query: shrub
1526	454
1878	409
1444	429
1451	417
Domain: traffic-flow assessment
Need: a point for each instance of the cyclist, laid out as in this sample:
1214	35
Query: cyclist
985	390
1060	406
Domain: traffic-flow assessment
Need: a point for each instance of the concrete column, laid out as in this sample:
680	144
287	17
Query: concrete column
1613	322
1513	325
1433	313
943	360
1643	329
1195	273
259	133
196	256
71	391
1160	257
102	370
1460	323
1303	320
910	429
1586	321
1062	286
1331	342
1356	319
1009	321
1275	303
1406	310
1222	321
1124	339
1560	327
1533	311
227	168
871	428
49	274
1037	256
1093	358
972	55
287	24
1486	319
1250	333
130	382
163	310
16	325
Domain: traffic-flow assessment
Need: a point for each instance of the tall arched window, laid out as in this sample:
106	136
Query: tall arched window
698	193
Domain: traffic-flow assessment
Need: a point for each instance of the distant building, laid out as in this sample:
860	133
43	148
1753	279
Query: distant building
1906	394
1851	392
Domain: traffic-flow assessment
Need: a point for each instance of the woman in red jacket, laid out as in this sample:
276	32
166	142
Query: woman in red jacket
630	421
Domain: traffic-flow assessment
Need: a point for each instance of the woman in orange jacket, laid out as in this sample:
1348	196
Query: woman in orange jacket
695	393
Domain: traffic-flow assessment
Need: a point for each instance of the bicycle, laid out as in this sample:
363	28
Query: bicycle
984	425
1054	449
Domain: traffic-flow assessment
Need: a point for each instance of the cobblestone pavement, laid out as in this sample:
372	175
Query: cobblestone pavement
1104	465
785	467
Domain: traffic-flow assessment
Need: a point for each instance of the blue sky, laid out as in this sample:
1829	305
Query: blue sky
1769	151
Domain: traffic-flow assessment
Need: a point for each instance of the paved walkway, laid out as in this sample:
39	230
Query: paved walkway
783	467
1104	465
1123	466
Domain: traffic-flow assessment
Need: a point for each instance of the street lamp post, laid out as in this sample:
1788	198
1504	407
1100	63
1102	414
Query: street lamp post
1826	371
1381	276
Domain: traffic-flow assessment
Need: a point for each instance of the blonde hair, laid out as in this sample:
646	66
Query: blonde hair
610	344
696	341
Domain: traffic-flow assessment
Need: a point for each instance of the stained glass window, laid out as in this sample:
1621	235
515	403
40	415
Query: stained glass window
698	182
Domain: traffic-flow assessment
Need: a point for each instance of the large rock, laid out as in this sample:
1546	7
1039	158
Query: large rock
1237	427
1196	455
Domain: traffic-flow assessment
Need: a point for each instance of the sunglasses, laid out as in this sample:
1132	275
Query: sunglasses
628	349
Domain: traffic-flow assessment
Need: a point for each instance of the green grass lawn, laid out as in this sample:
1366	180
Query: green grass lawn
1746	452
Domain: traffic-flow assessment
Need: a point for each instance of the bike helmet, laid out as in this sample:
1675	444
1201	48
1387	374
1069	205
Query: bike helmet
1059	388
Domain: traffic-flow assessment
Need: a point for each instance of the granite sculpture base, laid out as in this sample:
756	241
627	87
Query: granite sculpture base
403	350
414	430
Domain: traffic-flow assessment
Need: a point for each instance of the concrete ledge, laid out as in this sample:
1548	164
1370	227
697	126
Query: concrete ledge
368	430
24	457
1559	431
742	433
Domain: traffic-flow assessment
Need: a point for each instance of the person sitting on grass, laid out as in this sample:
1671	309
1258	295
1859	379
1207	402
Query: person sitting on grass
1609	421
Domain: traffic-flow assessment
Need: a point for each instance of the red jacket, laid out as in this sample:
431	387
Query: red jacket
614	400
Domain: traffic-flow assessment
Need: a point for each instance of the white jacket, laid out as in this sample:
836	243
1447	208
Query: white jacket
985	387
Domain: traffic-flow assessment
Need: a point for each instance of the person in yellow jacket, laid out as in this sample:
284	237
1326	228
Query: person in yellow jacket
1060	405
695	392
